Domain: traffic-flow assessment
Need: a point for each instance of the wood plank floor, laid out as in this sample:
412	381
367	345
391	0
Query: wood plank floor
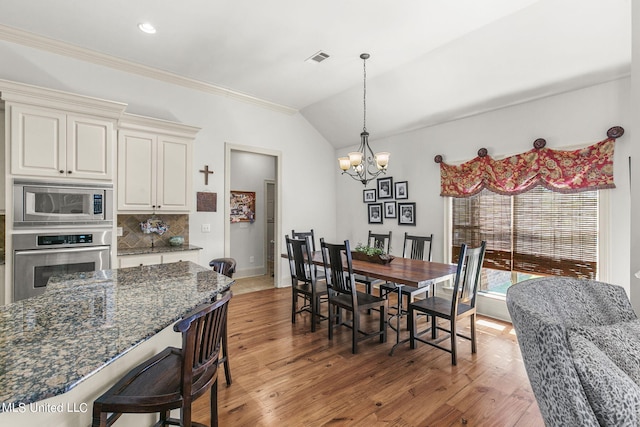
284	375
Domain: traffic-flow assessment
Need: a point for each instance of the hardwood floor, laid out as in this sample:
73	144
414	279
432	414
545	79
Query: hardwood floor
284	375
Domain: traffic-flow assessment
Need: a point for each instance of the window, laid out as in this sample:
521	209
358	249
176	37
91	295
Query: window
538	232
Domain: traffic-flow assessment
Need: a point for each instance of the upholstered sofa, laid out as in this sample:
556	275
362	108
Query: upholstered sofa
580	342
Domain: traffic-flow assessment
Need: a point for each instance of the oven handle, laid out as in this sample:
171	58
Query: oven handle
61	250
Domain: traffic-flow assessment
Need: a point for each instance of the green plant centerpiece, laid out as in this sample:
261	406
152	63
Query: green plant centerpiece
371	254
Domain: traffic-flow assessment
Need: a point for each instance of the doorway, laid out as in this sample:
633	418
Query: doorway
254	244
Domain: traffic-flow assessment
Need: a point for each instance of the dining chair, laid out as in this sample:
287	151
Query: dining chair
304	235
376	240
414	247
461	305
304	282
343	295
227	267
175	377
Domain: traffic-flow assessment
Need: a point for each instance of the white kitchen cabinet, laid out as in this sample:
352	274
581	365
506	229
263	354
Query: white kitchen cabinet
154	165
58	134
125	261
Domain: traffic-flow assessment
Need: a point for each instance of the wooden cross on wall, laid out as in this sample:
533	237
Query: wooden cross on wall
206	173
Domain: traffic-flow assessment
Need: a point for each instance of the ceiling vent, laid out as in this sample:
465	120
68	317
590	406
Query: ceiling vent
317	57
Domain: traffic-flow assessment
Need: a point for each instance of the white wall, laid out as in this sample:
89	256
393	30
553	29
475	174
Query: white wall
308	179
572	119
248	173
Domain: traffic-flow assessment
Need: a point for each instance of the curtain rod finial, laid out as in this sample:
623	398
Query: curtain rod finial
438	159
615	132
539	143
483	152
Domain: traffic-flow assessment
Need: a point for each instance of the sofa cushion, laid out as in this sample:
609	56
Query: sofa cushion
612	394
620	342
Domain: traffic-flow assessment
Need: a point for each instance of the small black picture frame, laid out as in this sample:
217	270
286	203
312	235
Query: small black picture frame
407	213
385	188
390	210
375	213
369	195
402	190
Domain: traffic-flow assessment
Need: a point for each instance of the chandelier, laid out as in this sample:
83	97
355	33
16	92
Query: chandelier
363	165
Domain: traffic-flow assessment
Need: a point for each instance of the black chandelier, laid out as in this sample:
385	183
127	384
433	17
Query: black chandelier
363	165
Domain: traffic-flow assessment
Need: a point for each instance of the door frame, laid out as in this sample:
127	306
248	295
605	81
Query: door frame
228	148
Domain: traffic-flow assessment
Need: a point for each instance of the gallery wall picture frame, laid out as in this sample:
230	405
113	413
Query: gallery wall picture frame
402	190
375	213
369	195
390	210
243	206
385	188
407	213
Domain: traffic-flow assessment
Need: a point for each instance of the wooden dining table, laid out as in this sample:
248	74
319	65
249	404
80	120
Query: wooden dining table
406	271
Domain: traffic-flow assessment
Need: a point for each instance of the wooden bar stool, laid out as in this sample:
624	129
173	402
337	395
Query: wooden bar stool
226	266
175	377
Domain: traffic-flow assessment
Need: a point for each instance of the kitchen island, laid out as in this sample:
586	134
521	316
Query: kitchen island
62	349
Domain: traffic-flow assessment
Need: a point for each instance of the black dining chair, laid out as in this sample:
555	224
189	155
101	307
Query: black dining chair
304	282
343	295
415	247
309	235
175	377
461	305
376	240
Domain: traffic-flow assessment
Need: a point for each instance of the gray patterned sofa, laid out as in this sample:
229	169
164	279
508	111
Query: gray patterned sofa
580	342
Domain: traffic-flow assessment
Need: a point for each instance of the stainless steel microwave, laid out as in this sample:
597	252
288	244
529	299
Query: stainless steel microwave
39	204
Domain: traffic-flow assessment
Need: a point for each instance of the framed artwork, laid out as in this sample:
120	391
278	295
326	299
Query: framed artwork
206	202
375	213
402	190
369	196
385	188
243	206
390	209
407	213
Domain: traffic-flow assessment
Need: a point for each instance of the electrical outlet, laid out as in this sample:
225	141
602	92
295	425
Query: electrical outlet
119	231
206	228
252	259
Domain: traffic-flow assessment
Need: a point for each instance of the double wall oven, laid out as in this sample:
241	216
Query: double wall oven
59	228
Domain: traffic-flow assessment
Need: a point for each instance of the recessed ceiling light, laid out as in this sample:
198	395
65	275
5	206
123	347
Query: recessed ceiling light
147	28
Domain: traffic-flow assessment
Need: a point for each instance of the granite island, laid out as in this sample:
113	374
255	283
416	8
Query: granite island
62	349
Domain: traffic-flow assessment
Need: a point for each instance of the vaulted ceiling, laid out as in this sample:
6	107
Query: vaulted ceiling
431	60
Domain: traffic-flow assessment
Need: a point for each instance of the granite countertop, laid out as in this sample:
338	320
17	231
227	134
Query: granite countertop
84	321
157	250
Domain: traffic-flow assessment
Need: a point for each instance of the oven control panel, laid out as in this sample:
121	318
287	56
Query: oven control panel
65	239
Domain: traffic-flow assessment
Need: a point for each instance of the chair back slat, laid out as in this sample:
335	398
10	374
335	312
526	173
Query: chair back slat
304	235
202	332
300	259
380	240
341	279
418	248
467	279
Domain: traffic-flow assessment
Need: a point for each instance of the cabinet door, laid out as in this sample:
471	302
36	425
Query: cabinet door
125	261
136	171
89	148
38	141
170	257
174	174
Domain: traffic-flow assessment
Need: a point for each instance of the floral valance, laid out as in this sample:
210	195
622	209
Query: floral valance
589	168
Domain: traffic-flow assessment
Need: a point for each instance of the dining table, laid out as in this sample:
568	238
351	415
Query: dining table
401	271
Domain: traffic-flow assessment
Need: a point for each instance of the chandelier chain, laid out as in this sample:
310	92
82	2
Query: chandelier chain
364	97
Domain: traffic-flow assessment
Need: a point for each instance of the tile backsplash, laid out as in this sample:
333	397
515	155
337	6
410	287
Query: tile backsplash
133	237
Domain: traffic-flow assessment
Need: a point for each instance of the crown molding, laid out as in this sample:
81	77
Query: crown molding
25	38
149	124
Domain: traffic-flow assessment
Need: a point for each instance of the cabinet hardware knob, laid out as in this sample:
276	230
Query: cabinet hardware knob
69	172
61	171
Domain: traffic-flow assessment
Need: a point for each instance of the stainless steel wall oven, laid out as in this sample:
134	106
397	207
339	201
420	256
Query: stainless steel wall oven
36	256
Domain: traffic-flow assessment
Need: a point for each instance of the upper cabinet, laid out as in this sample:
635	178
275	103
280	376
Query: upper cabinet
56	134
154	165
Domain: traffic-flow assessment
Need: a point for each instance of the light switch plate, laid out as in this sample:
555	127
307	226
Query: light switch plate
206	228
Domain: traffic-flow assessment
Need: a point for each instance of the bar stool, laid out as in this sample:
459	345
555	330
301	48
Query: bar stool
175	377
226	266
